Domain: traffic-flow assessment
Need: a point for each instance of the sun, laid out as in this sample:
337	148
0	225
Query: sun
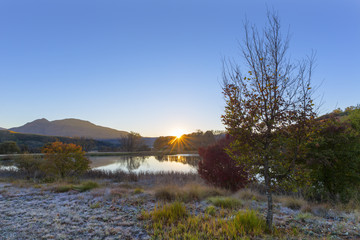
178	133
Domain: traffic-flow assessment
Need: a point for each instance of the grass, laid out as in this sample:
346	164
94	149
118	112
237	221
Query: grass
187	193
138	190
168	214
63	188
172	221
304	216
249	194
249	222
82	187
291	202
211	210
95	205
225	202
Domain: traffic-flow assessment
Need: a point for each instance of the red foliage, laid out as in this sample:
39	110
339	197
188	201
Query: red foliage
218	169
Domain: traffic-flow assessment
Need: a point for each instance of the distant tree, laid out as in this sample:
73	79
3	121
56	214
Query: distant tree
163	143
64	160
218	169
131	142
9	147
268	110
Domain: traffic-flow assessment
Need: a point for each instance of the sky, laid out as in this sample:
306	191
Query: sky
153	66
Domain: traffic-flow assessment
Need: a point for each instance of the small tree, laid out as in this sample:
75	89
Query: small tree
65	160
268	110
218	169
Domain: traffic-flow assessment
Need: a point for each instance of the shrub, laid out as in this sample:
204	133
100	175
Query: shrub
218	169
225	202
29	164
65	160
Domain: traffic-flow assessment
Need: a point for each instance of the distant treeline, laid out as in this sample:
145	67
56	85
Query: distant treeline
187	142
11	142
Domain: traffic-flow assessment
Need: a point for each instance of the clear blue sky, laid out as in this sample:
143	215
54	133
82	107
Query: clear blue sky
155	66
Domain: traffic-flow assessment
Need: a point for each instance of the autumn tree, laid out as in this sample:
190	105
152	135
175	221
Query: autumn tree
268	107
64	160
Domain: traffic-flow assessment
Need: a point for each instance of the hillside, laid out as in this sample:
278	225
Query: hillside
34	142
69	128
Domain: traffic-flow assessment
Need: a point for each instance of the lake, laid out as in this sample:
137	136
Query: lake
186	163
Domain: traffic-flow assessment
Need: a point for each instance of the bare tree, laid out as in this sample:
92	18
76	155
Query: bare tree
269	108
131	142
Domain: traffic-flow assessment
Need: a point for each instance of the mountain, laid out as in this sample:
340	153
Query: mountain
69	128
1	129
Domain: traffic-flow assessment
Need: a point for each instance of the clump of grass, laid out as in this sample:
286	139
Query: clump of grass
211	210
225	202
118	192
95	205
63	188
303	216
292	202
166	193
248	222
249	194
189	192
86	186
138	190
168	213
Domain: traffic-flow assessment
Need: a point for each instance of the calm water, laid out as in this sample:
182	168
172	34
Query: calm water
178	163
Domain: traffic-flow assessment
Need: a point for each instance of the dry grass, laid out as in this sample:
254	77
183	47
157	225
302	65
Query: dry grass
250	194
189	192
294	203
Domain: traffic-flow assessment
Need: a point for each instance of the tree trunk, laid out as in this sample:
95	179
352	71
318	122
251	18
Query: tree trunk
269	214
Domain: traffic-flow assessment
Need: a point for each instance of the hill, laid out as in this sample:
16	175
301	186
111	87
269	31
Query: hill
34	142
2	129
69	128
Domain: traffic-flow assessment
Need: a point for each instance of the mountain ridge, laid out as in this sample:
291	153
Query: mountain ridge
70	127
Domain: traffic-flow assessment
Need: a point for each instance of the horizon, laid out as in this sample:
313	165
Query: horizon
155	68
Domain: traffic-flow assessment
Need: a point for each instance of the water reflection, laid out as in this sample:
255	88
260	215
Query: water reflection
166	163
